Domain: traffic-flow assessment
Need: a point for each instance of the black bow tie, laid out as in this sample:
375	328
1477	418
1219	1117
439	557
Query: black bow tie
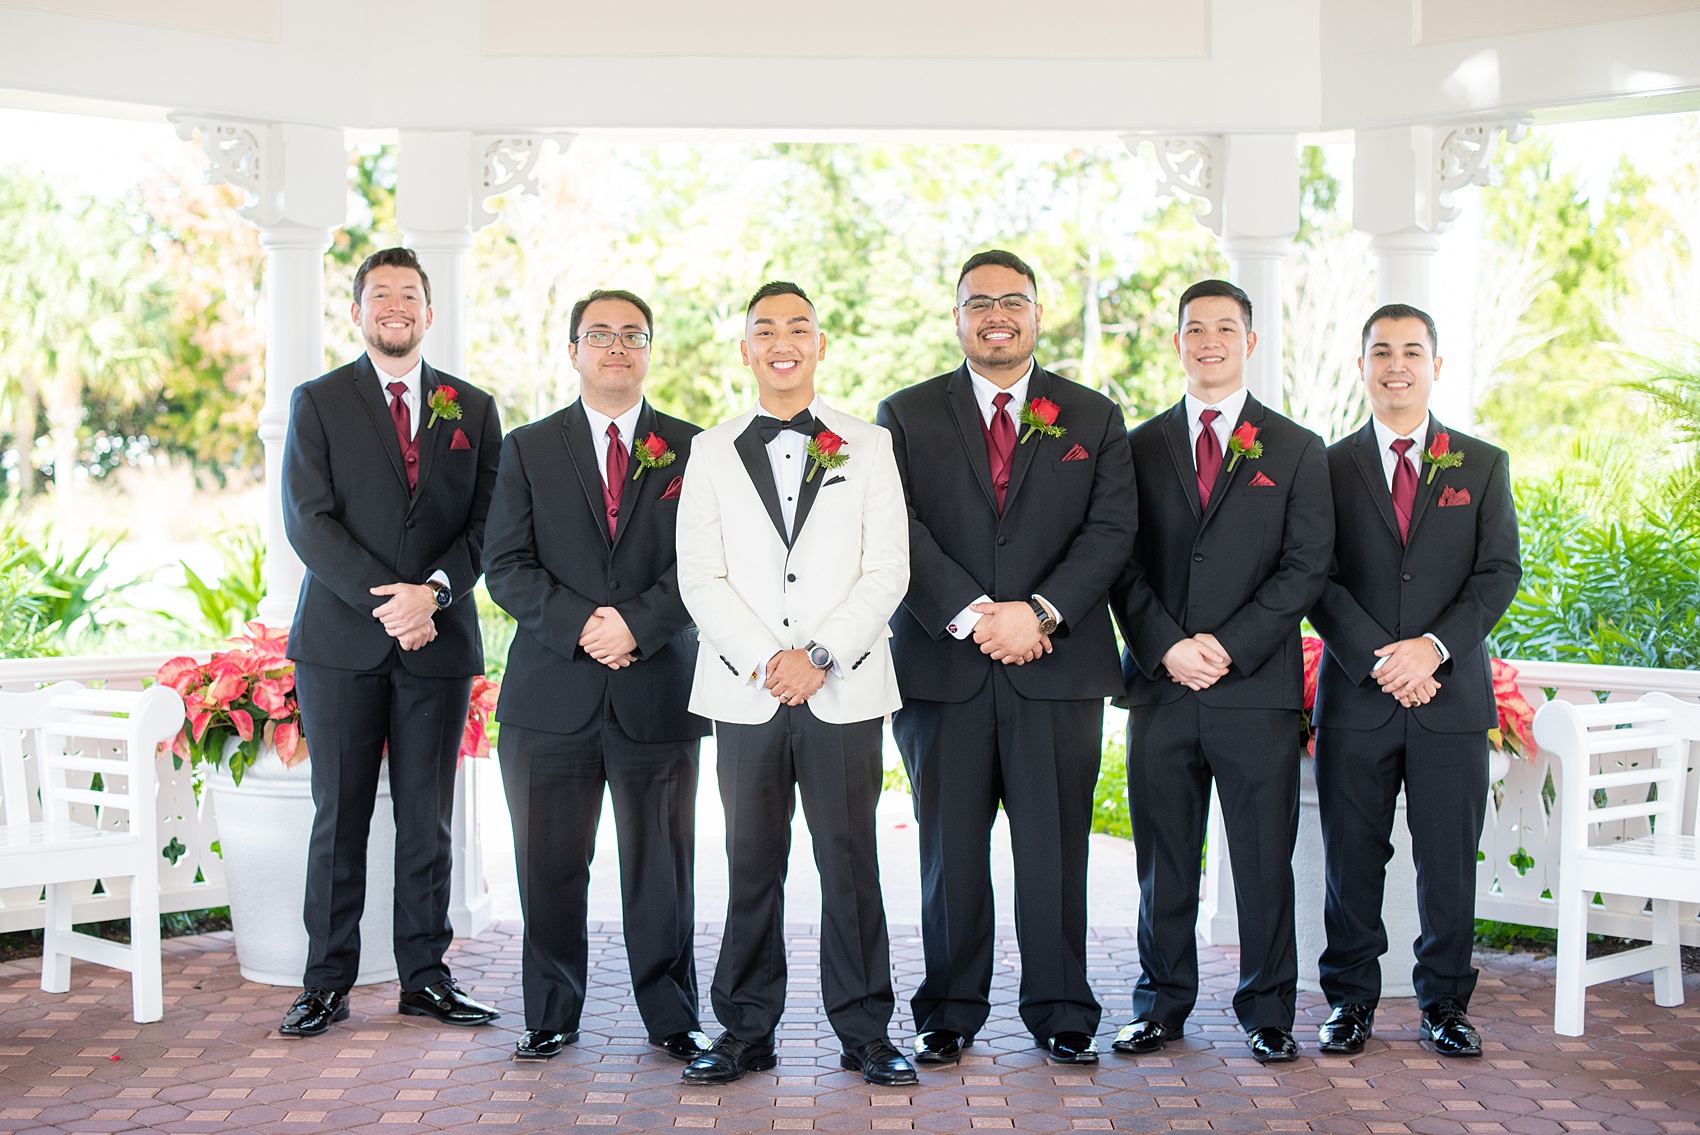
769	427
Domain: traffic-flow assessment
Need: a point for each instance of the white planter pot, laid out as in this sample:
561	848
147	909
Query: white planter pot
263	825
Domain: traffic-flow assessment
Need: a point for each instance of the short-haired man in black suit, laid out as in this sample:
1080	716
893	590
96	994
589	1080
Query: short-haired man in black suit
580	552
387	474
1020	517
1235	527
1425	565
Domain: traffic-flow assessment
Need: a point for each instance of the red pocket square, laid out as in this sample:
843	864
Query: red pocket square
1076	454
1450	496
1261	482
459	441
673	488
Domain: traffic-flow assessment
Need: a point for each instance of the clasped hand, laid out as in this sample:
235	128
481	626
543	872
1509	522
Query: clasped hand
1009	632
607	639
406	614
1198	662
792	678
1408	672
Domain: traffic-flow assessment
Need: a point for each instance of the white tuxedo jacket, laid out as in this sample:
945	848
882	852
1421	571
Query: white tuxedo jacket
837	584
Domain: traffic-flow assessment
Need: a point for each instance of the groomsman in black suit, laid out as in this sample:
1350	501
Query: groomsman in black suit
387	475
1021	515
580	552
1425	565
1235	527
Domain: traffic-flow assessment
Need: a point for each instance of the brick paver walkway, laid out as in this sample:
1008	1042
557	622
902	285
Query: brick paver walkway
77	1063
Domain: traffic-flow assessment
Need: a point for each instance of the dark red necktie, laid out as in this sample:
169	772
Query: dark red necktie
1404	487
404	433
1000	445
615	482
1207	455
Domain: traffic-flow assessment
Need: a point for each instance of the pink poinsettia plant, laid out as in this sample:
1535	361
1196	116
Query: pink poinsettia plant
248	694
1514	736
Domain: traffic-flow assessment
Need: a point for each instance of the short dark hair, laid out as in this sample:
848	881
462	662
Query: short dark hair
1400	311
777	288
390	258
1214	288
1001	259
609	294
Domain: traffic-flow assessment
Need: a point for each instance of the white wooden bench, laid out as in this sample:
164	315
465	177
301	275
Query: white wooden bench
72	833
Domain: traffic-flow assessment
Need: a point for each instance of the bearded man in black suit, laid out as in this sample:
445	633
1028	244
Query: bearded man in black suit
1235	527
1425	565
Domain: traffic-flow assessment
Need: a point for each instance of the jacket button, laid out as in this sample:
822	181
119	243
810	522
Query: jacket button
412	523
613	585
1406	577
787	622
1002	540
1198	557
790	579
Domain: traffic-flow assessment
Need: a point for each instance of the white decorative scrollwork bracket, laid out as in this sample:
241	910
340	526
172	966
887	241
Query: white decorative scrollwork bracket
1464	156
1188	169
509	162
235	156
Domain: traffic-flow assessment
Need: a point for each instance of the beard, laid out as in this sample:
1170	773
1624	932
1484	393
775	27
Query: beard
395	348
992	357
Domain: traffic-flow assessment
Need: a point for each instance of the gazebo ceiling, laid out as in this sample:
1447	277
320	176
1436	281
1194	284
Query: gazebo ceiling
1006	67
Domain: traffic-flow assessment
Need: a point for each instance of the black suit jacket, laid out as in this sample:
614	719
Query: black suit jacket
551	563
1065	531
1454	579
350	518
1245	570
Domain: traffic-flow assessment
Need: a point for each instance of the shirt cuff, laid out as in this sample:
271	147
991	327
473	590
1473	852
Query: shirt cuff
441	577
1445	655
963	625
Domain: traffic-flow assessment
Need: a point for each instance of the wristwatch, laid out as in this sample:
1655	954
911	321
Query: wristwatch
819	656
444	595
1047	621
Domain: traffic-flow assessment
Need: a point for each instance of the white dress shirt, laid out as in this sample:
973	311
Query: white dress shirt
1223	426
409	399
1384	438
627	422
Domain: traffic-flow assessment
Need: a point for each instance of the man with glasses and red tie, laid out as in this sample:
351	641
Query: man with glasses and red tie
1235	528
387	473
580	551
1425	564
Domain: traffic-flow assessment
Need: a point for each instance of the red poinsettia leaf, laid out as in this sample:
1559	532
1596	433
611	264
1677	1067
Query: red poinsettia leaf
1313	663
244	722
181	674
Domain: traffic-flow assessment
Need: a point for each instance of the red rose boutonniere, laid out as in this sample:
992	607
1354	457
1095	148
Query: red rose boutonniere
1041	414
445	403
1243	443
1439	455
652	453
823	451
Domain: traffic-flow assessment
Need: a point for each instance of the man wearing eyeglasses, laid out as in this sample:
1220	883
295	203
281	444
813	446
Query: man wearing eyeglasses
579	550
1021	514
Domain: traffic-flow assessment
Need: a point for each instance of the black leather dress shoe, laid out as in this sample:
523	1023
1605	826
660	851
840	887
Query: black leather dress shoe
683	1046
541	1044
1346	1030
1446	1025
314	1012
939	1046
444	1001
1143	1035
1072	1048
727	1059
879	1062
1272	1044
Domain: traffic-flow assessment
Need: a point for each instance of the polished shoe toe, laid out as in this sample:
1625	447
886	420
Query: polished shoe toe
1072	1048
1445	1025
314	1011
684	1046
1143	1035
1346	1030
542	1044
445	1001
879	1062
939	1046
727	1059
1272	1044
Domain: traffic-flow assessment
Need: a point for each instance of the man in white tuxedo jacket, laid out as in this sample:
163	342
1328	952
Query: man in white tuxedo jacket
793	554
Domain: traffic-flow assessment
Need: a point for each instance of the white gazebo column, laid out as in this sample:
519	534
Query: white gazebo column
296	181
443	178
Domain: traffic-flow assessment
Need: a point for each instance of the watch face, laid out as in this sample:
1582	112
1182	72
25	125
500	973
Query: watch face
443	597
821	657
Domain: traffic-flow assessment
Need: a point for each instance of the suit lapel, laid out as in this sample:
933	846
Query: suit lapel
368	393
1366	454
429	437
1251	412
1427	489
1175	430
807	490
754	456
965	410
581	449
1039	386
634	492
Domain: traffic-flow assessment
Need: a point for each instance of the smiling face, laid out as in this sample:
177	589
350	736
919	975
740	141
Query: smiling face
782	346
1399	369
1213	344
613	375
392	312
997	343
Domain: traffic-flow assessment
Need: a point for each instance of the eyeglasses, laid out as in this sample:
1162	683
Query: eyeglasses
636	340
1013	304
